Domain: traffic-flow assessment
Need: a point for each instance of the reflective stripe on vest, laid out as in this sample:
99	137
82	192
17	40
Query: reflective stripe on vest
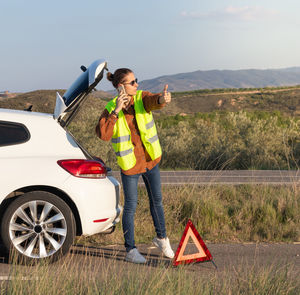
153	139
121	139
124	153
150	124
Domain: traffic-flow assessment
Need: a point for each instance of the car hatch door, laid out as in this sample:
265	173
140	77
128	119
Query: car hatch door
68	105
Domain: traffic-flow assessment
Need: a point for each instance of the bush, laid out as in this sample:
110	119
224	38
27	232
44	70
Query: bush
231	141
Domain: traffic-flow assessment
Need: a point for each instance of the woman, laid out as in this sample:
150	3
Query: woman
127	121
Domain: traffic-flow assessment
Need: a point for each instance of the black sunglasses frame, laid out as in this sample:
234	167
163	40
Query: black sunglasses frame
132	82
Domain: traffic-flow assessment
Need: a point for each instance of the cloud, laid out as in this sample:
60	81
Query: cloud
246	14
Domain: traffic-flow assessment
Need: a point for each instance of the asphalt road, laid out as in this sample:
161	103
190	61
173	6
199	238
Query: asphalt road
199	177
246	256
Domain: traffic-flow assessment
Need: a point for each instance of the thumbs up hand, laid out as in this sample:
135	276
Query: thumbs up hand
165	96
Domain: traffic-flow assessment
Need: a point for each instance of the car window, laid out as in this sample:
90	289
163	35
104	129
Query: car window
13	133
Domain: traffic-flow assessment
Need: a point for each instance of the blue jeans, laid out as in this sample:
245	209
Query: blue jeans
130	184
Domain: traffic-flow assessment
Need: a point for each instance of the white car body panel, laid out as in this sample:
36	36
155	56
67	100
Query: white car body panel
90	201
34	163
46	137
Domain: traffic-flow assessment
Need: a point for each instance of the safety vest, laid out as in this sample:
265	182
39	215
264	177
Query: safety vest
121	139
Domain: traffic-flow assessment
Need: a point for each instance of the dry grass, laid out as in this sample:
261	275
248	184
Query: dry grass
90	275
230	141
221	213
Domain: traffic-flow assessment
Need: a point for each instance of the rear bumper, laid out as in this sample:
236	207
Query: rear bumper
97	201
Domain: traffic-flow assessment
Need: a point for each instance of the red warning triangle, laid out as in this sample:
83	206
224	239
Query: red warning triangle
203	253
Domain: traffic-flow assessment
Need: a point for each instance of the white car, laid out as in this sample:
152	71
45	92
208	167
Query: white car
51	188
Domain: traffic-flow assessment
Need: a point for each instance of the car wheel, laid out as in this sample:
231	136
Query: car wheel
38	225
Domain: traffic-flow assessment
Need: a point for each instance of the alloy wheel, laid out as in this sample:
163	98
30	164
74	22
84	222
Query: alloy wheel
37	229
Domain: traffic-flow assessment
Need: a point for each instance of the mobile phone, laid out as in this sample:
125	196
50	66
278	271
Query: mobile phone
121	88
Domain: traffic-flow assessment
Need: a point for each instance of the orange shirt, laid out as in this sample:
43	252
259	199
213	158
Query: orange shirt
104	130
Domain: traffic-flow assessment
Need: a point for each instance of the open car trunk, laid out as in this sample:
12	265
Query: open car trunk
68	105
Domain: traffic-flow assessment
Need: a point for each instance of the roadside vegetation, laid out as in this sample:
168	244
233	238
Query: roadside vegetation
221	213
211	141
230	140
109	277
230	90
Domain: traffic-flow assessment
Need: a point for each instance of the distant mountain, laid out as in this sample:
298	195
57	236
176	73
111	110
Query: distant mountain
251	78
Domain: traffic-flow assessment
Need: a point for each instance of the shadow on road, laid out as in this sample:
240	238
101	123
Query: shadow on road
153	260
115	253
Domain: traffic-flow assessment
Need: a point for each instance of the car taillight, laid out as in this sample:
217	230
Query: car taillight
84	168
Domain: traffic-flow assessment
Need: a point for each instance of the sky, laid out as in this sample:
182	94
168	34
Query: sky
44	43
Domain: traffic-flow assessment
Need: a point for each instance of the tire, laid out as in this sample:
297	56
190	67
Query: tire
38	226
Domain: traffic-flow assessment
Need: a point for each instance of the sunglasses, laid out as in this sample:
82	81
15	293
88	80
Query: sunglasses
132	82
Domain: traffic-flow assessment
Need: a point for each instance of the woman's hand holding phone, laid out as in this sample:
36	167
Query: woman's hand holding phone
122	100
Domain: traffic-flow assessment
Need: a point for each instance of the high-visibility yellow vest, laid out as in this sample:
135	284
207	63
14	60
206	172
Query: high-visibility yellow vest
121	139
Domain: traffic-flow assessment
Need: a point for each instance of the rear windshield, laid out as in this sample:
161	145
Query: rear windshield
13	133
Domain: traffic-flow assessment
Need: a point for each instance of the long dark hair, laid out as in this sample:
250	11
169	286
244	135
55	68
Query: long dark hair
118	76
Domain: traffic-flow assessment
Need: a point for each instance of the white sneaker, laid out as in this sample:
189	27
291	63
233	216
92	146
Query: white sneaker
135	256
164	246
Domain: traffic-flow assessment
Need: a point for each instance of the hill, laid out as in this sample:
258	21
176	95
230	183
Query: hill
224	79
285	100
44	100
